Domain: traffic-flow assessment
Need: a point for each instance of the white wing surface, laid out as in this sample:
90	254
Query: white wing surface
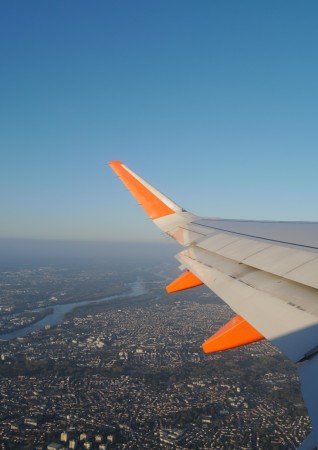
267	272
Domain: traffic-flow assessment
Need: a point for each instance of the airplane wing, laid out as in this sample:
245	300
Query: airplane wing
267	272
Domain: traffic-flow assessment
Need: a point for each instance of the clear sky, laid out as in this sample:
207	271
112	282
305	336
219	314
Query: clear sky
213	102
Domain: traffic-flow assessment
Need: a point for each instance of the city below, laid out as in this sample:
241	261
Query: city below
100	357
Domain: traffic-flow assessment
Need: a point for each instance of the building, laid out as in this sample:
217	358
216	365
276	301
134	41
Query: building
83	436
171	436
30	421
64	437
111	438
54	446
72	444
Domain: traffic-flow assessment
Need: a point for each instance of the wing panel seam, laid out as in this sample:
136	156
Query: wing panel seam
257	237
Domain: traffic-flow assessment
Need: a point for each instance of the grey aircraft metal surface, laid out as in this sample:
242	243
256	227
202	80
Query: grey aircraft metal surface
267	272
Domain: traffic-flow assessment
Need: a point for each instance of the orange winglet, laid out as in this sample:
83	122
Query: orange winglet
152	204
235	333
186	280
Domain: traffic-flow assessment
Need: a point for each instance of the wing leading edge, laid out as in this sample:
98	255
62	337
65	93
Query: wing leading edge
265	271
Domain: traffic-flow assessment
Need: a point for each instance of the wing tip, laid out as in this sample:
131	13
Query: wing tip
154	203
114	163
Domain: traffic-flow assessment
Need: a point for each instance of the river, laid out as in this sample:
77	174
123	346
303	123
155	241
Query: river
136	289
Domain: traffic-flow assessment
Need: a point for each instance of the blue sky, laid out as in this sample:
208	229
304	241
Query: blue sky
213	102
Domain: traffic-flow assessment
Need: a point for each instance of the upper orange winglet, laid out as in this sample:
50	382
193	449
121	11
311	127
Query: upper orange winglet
152	204
186	280
235	333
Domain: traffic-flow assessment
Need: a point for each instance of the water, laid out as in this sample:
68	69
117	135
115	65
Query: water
59	311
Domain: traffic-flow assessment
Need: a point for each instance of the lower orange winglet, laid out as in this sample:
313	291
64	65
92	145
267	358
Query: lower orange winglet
186	280
152	204
235	333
